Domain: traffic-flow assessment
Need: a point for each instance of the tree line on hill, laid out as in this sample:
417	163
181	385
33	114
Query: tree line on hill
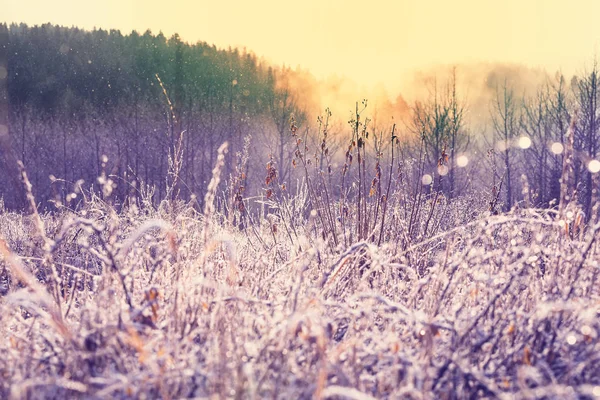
74	96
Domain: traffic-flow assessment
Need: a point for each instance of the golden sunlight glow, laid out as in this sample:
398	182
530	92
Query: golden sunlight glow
367	41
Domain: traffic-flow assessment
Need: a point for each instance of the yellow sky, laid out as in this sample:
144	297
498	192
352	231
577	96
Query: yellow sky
368	41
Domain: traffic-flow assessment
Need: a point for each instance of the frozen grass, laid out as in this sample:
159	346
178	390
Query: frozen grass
454	302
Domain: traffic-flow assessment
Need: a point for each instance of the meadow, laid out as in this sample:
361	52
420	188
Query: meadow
406	294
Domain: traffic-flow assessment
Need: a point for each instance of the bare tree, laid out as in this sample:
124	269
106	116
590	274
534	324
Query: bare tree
504	115
440	124
283	106
587	131
536	124
560	113
459	138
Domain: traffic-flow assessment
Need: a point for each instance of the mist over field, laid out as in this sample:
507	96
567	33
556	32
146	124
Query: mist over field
185	220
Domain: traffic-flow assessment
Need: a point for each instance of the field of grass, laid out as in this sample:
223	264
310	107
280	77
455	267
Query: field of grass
418	297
